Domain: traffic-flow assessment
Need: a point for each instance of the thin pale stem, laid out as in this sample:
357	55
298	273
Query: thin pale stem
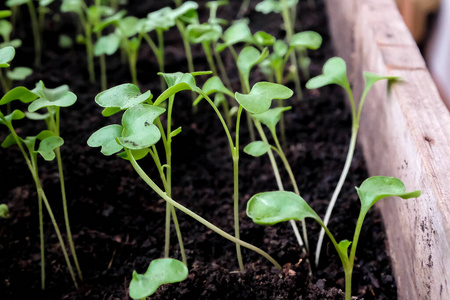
222	69
209	57
90	52
35	27
66	212
235	154
288	168
190	213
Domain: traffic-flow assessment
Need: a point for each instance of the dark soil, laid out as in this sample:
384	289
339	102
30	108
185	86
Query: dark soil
118	221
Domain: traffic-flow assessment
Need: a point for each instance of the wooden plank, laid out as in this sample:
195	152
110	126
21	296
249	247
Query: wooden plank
404	132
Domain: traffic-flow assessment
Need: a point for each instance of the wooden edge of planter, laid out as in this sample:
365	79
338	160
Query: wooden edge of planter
404	132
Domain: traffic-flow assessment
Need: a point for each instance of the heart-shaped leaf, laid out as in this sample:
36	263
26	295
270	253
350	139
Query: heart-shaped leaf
257	148
114	19
334	72
106	138
248	58
271	117
107	44
236	33
19	73
139	131
215	85
306	39
160	271
198	33
376	188
280	48
270	208
19	93
261	96
48	145
59	97
130	26
122	96
137	154
36	116
6	55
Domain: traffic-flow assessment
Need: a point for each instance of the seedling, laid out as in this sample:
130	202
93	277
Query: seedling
48	142
270	208
141	129
335	72
287	9
34	25
271	118
159	272
5	31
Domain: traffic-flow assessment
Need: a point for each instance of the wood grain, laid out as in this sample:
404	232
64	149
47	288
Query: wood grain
404	132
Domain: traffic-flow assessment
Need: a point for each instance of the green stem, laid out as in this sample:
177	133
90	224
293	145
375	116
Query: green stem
288	168
289	33
209	57
190	213
103	75
235	154
279	181
35	27
132	60
222	69
160	56
66	212
90	52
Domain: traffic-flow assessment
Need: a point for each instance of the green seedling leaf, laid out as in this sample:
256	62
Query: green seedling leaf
160	19
5	29
184	8
334	72
4	211
376	188
106	138
65	41
262	38
160	271
15	115
249	57
36	116
219	98
343	246
215	85
236	33
175	132
191	17
280	48
6	55
306	39
257	148
261	96
5	14
270	208
59	97
114	19
75	6
271	117
371	78
16	43
269	6
122	96
45	2
107	44
19	93
11	3
9	141
48	145
176	82
137	154
19	73
130	26
198	33
138	129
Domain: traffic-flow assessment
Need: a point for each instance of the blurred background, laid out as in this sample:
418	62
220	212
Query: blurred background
429	23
